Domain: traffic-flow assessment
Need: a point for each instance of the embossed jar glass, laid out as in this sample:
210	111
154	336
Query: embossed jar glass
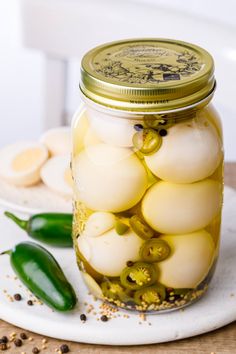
147	166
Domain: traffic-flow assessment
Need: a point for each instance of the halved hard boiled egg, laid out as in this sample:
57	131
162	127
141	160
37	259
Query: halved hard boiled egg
191	258
108	253
57	140
109	178
181	208
20	163
56	174
190	152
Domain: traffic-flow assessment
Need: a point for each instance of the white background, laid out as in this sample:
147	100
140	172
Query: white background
22	70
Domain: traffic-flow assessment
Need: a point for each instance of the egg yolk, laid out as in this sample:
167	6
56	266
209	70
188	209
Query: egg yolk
27	159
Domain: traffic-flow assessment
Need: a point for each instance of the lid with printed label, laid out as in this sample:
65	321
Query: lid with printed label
147	75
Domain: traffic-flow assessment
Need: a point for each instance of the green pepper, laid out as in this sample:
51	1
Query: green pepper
121	227
42	275
147	141
138	276
86	267
54	229
154	122
154	250
154	294
158	122
140	227
113	289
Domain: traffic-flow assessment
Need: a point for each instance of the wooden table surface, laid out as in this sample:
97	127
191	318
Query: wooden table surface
217	342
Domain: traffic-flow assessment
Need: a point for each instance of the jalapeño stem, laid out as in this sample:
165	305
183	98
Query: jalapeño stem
9	252
22	223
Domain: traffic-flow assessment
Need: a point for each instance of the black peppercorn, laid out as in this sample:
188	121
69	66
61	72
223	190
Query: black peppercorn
138	127
64	348
4	339
30	302
83	317
163	132
35	350
3	346
104	318
17	297
23	336
18	342
129	263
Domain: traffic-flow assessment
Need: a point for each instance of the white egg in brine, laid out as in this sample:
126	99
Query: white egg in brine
191	258
57	140
98	223
113	130
20	163
109	178
56	174
83	135
92	285
108	253
191	151
182	208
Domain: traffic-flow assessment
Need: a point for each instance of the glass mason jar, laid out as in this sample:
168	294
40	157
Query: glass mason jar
147	166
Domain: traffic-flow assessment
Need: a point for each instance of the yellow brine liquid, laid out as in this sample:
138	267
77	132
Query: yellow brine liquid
147	205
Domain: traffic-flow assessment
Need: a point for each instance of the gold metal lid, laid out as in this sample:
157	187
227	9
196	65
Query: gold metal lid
146	75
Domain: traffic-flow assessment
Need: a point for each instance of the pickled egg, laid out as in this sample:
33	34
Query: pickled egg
20	163
191	151
109	178
56	174
83	135
92	285
57	140
191	258
98	223
181	208
108	253
113	130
